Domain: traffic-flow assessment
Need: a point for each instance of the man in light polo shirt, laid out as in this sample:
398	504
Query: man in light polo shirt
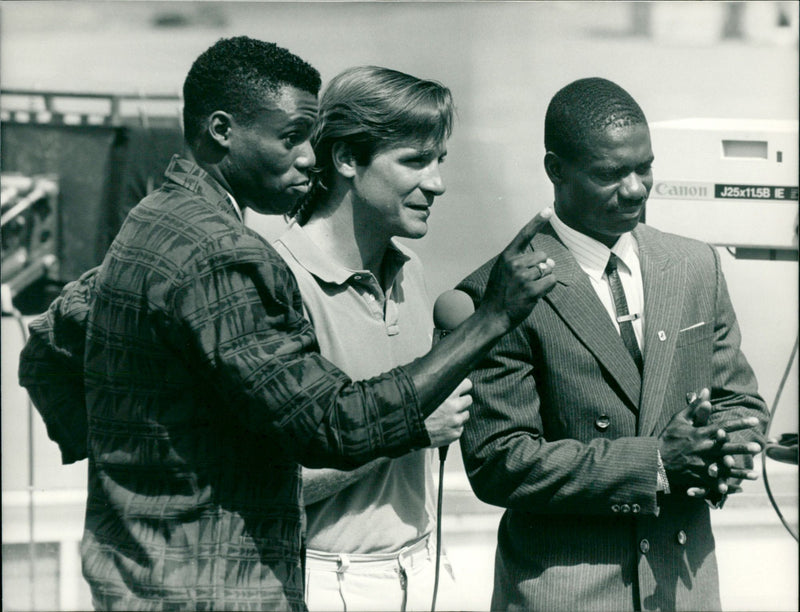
379	142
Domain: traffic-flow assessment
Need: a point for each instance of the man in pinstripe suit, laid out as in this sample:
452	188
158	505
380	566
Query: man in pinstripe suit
580	426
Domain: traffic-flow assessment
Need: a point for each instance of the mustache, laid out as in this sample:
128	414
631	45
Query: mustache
624	203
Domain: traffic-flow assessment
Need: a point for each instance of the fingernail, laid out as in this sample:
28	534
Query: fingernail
546	212
690	397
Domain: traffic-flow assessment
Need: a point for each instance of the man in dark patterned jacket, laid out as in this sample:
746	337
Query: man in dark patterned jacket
184	370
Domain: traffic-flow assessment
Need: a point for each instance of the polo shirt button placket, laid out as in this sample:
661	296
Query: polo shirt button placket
368	289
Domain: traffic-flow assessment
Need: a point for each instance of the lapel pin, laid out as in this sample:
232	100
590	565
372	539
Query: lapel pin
661	335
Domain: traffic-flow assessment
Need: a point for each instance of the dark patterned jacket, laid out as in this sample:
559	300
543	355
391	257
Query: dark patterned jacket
203	391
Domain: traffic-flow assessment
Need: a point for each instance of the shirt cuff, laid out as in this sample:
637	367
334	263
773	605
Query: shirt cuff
662	482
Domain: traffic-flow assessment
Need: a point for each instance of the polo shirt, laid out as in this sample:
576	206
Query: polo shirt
367	327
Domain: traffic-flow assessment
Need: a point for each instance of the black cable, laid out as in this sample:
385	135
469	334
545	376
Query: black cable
442	456
766	435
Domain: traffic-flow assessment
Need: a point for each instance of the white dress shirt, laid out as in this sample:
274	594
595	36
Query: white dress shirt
592	256
236	207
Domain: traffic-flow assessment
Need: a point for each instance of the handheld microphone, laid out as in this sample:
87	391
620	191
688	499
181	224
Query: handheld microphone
450	310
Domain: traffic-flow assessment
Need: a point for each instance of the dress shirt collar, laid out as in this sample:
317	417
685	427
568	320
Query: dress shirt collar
322	265
236	207
592	255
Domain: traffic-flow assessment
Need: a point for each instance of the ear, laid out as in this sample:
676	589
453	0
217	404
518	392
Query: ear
554	166
220	128
343	159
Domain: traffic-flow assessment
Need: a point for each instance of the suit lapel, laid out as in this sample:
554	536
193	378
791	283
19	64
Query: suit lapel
664	280
576	302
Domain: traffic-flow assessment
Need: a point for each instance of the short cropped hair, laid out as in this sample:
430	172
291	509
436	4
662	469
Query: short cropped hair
583	108
235	75
373	109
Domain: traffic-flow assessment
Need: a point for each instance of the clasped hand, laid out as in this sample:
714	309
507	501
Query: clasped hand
699	457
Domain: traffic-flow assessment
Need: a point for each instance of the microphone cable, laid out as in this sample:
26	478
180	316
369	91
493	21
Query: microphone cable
766	435
451	309
442	457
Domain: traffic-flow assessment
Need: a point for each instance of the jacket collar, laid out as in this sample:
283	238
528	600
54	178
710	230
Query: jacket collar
664	279
575	301
189	175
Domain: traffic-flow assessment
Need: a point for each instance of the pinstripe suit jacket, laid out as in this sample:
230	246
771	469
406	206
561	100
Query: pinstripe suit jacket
564	435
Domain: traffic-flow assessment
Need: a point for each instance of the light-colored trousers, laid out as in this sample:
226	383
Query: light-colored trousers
391	581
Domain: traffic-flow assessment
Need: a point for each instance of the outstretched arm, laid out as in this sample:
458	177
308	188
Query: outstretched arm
271	370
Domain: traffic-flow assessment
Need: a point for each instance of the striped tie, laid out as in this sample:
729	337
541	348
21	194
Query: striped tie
623	316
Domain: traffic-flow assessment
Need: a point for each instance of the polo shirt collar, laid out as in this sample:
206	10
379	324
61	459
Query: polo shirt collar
591	254
321	264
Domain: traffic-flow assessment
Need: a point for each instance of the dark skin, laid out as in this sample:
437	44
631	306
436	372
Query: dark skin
700	458
728	476
602	194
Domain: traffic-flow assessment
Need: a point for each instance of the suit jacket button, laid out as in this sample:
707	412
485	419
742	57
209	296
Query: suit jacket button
602	422
644	546
636	508
681	537
615	508
625	508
